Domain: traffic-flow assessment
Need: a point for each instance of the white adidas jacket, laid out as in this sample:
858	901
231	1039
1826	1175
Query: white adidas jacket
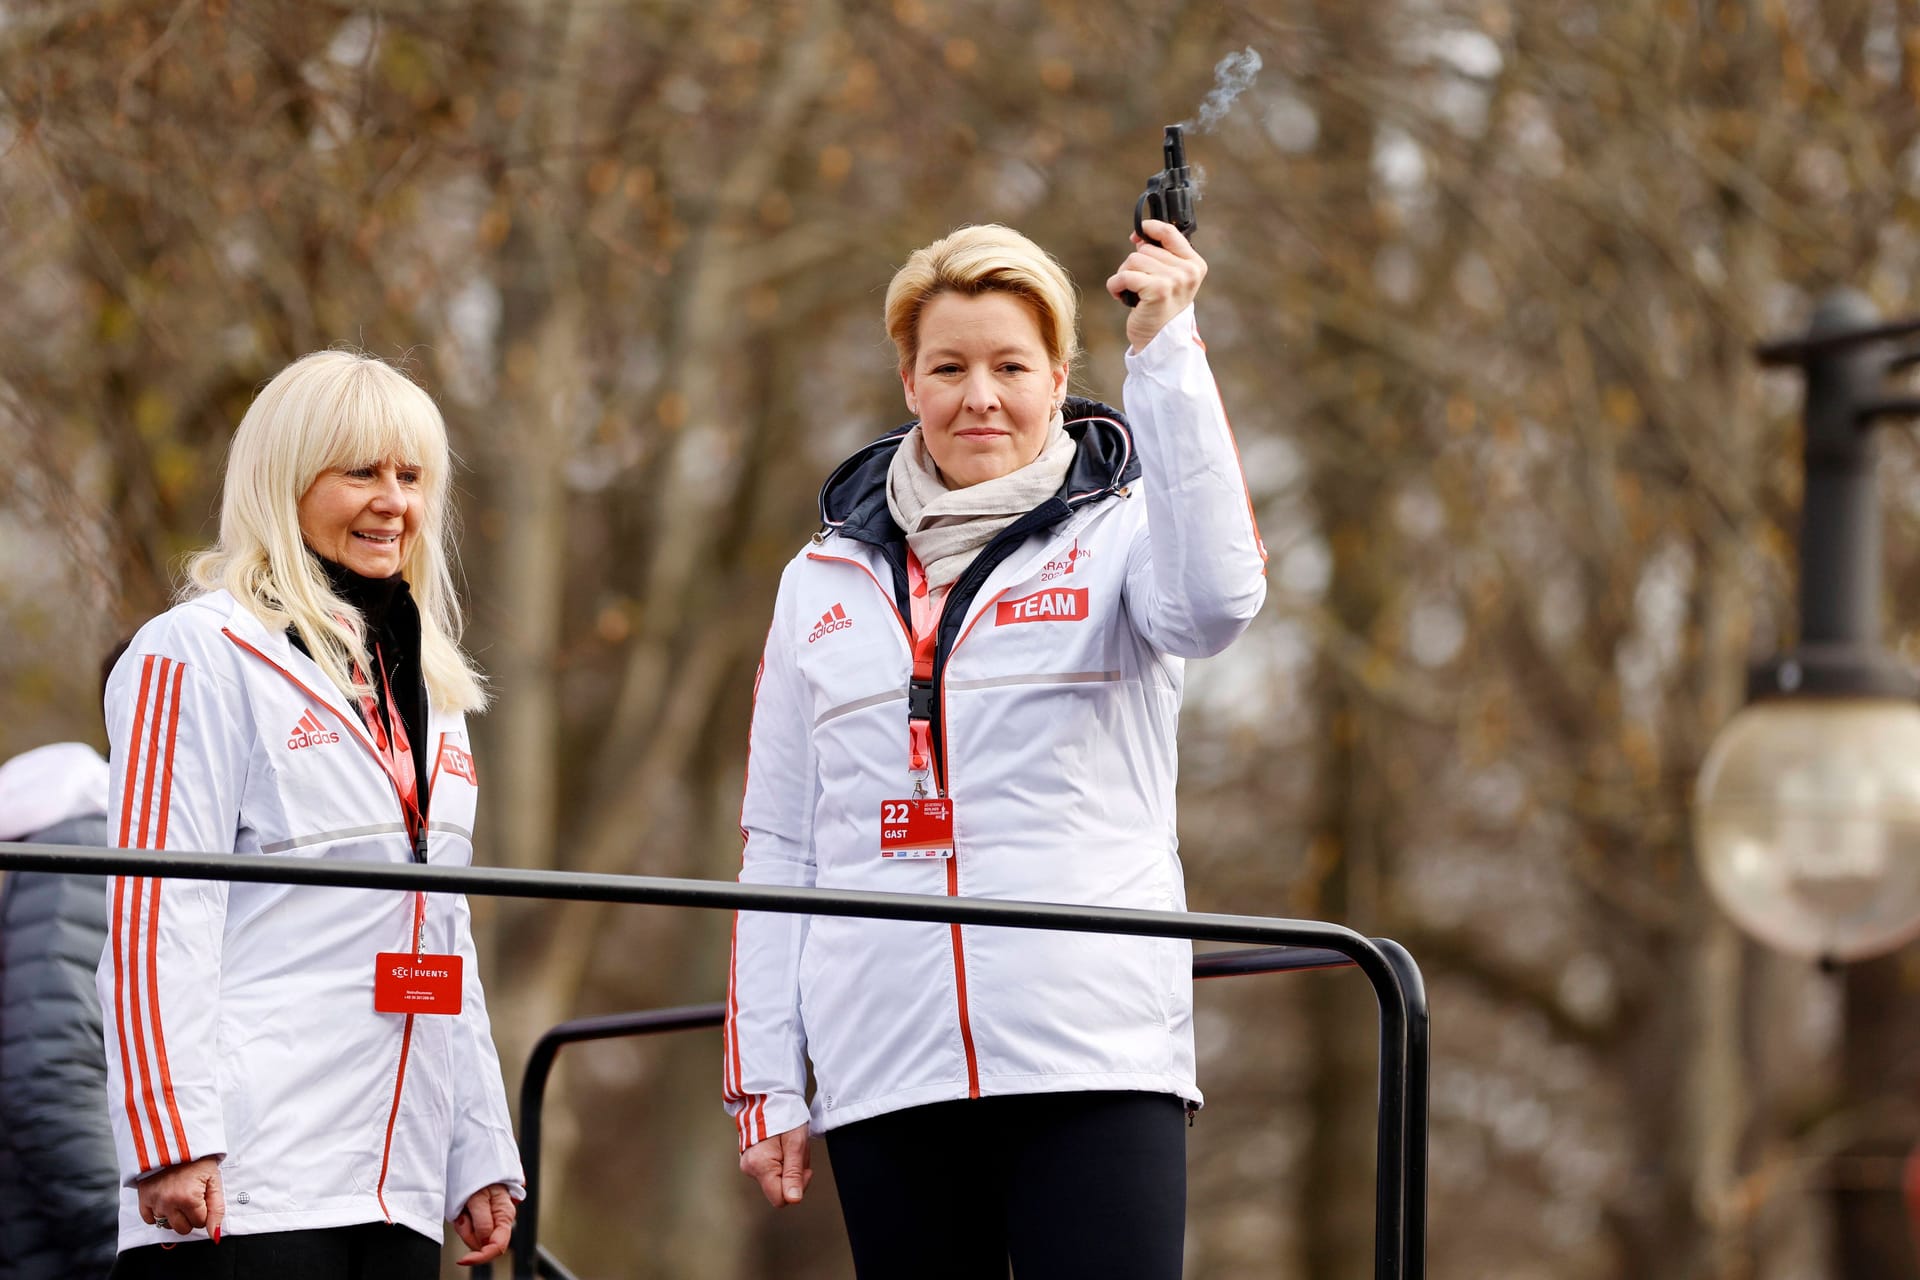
239	1017
1058	706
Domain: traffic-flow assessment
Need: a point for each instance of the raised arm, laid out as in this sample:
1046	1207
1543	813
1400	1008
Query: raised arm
1198	576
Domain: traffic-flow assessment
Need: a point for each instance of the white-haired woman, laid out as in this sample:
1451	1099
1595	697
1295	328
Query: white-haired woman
302	1080
971	686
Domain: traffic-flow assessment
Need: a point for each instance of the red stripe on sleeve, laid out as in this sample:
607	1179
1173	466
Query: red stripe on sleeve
139	1027
1259	543
166	767
153	924
133	750
730	1063
117	942
153	751
731	1086
159	1035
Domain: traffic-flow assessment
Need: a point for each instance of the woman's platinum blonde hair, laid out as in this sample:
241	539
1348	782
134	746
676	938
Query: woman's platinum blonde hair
985	259
326	410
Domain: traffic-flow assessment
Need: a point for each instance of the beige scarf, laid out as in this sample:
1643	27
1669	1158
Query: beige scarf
947	527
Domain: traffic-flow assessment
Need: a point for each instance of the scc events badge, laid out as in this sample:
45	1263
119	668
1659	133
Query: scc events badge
408	983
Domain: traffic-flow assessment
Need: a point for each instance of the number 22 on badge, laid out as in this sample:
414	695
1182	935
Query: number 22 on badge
920	828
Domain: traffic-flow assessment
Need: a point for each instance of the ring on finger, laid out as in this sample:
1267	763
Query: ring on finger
160	1220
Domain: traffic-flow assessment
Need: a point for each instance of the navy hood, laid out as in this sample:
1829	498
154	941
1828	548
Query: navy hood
854	498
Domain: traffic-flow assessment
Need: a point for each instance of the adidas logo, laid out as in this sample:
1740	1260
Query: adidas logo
310	733
834	619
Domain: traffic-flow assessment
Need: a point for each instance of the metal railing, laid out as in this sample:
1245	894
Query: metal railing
1400	1167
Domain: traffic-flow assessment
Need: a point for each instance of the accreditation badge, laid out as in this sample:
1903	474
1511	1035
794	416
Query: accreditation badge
407	983
917	828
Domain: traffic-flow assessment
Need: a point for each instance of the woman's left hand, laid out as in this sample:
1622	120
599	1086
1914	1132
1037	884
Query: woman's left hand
486	1224
1165	275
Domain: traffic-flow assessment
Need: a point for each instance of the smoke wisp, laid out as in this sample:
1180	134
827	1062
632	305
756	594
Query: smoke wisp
1231	77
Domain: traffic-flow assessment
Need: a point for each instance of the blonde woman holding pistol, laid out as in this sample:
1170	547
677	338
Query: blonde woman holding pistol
971	686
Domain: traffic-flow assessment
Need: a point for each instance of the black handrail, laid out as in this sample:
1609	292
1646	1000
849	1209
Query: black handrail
533	1097
1413	1172
1398	1253
550	1268
694	1017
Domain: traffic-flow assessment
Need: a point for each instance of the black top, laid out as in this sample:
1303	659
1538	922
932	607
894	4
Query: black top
393	630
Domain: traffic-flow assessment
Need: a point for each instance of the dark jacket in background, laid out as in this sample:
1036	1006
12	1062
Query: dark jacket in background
58	1180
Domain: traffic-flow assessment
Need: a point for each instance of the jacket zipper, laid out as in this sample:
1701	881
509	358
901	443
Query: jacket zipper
959	602
941	759
953	863
406	1030
989	559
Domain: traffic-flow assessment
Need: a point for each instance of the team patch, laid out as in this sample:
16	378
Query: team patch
458	763
1059	604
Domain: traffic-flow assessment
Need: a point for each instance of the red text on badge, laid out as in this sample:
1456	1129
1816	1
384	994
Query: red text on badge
1060	604
921	828
408	983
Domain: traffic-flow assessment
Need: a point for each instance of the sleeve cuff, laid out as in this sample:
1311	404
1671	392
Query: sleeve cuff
1167	345
476	1170
776	1114
135	1179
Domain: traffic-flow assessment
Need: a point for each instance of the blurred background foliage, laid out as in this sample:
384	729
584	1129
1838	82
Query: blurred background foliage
1486	274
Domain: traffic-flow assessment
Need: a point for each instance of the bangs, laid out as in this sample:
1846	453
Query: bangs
375	415
337	410
978	260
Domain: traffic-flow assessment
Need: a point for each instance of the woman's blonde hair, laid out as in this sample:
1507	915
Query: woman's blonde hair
326	410
985	259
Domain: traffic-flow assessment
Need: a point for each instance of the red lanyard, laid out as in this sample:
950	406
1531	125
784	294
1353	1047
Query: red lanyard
394	747
395	750
926	618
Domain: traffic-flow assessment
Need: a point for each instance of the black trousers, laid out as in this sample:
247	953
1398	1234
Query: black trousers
369	1251
1062	1185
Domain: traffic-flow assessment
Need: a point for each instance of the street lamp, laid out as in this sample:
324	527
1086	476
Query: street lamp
1807	808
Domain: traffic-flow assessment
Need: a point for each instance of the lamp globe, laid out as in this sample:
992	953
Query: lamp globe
1807	824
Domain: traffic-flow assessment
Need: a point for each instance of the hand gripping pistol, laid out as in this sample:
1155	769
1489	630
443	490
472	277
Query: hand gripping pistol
1169	197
